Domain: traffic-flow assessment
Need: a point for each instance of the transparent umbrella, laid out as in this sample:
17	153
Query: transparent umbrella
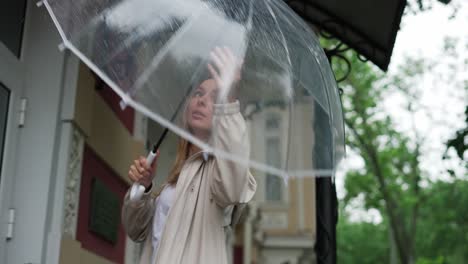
287	93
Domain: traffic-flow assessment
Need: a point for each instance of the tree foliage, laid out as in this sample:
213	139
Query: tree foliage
416	6
392	180
441	238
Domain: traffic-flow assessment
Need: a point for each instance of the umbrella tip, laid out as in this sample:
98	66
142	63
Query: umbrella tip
61	46
285	179
123	104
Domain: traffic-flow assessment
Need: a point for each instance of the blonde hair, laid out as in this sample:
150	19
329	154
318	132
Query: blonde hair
183	150
182	154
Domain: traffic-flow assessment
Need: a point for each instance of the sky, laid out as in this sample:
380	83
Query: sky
443	100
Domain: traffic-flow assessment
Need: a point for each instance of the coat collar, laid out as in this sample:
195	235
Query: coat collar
204	154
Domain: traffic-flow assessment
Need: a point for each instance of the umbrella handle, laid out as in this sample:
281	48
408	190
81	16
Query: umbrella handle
137	189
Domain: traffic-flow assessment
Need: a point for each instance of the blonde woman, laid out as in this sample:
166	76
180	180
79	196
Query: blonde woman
185	222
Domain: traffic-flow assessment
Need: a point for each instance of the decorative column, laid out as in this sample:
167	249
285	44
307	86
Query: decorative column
73	181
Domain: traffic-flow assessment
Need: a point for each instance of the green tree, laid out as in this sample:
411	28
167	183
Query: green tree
443	230
459	142
390	179
441	237
361	242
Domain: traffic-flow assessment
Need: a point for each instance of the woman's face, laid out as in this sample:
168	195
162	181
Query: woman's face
200	109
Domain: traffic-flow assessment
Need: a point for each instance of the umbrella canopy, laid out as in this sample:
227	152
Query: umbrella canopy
155	55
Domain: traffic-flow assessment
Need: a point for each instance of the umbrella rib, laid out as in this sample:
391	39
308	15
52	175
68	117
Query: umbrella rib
94	21
128	41
279	64
55	20
157	59
288	145
283	39
309	48
283	9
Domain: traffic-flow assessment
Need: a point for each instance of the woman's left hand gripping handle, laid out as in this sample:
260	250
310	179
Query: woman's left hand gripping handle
141	174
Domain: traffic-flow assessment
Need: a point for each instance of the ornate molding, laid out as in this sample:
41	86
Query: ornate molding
73	182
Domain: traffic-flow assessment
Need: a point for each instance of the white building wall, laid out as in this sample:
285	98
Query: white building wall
40	163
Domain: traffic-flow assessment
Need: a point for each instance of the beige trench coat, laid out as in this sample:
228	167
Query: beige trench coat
194	230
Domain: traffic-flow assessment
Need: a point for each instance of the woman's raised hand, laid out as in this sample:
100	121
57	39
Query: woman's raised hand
227	72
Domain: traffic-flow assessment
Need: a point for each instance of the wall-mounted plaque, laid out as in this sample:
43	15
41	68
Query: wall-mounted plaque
104	216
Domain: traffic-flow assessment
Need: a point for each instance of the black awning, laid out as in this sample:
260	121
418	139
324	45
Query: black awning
368	26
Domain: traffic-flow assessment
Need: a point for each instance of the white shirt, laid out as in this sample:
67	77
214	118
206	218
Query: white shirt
163	204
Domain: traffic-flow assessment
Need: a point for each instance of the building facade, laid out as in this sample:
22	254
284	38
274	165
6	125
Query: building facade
280	226
65	145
